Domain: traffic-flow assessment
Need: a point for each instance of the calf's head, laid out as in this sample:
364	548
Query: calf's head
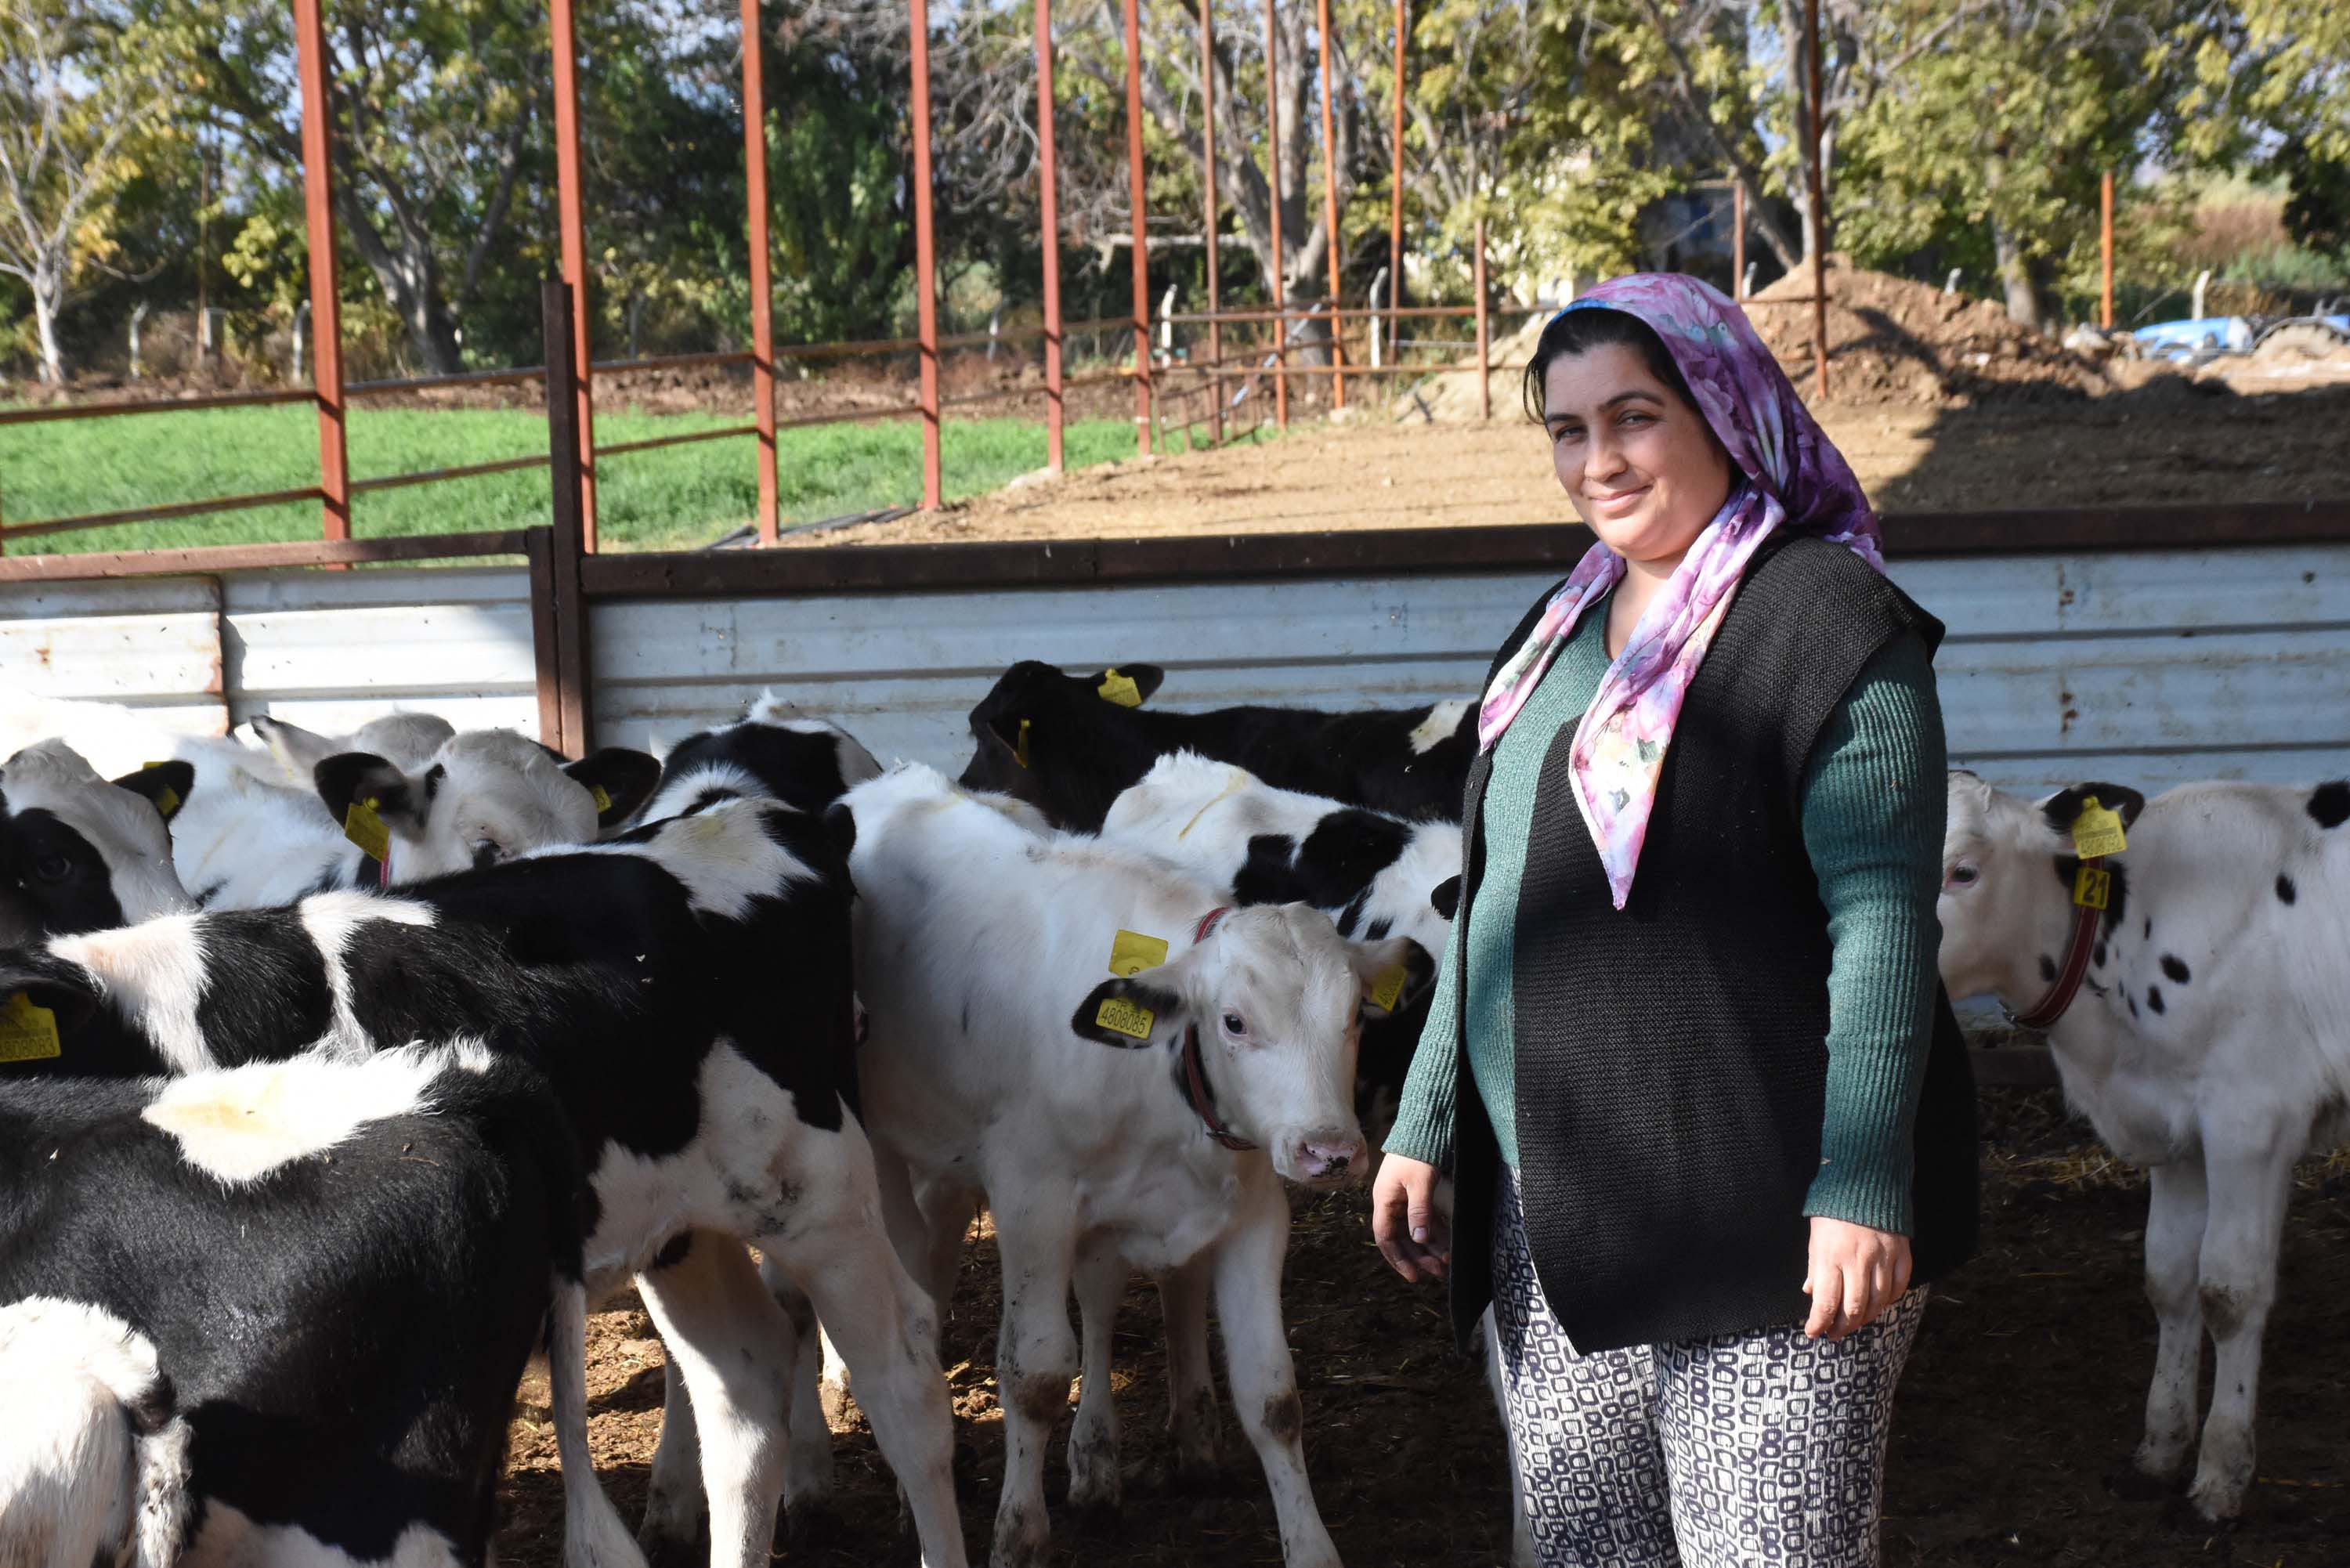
1053	741
78	854
1274	998
2008	871
776	751
486	796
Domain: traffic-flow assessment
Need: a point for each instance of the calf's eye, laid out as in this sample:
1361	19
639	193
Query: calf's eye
52	868
1961	876
1235	1024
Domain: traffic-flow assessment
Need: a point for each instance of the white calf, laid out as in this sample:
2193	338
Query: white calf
2212	1045
1136	1121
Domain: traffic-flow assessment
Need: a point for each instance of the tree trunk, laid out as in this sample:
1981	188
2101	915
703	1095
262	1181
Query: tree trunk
44	316
2016	276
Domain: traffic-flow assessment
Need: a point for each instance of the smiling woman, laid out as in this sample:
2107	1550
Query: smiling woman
1687	1057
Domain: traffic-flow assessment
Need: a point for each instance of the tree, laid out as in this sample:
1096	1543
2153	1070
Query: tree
77	98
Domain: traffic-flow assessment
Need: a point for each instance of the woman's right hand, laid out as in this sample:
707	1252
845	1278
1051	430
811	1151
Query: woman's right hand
1413	1237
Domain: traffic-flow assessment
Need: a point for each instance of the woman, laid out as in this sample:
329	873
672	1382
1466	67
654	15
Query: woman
1706	1110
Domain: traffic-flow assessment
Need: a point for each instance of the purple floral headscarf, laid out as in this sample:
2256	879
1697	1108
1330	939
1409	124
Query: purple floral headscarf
1794	478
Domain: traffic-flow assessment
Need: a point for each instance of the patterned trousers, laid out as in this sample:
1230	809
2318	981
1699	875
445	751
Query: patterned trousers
1760	1450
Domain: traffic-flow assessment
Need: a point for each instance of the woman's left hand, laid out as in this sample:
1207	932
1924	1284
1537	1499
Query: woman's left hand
1856	1274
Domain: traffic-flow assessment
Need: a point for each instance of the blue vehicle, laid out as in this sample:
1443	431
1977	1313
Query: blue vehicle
2199	338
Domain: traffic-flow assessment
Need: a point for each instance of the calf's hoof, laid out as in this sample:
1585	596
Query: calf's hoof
2215	1500
1093	1473
666	1544
1022	1536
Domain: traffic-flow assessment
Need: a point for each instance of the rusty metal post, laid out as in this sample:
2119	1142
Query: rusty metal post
1142	242
2106	251
1272	178
1395	212
1484	333
1819	204
1215	295
1737	238
325	309
566	544
926	291
1049	190
763	302
575	259
1330	218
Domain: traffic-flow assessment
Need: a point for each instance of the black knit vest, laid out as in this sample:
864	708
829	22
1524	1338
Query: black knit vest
1672	1056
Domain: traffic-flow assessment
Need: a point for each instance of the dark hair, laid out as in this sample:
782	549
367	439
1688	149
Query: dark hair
1573	332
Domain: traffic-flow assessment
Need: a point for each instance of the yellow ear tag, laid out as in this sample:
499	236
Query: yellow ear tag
1387	988
363	828
2093	887
1131	952
1120	689
603	800
1126	1017
168	803
1020	752
2097	831
29	1033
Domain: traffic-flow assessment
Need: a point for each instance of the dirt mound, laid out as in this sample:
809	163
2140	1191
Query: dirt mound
1894	341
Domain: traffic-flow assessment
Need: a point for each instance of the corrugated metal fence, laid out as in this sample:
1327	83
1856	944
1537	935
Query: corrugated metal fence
2149	667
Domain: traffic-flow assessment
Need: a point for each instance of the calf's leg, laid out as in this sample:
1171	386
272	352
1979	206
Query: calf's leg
1035	1355
1191	1383
1101	1278
2237	1282
593	1535
807	1463
2174	1214
1263	1379
723	1332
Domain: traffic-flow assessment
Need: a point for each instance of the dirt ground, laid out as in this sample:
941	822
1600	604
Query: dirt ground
2164	441
2023	1400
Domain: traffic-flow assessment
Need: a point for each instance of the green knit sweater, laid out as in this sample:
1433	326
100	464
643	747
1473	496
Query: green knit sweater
1873	809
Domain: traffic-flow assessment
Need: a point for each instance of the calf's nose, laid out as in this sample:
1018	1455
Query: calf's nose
1332	1160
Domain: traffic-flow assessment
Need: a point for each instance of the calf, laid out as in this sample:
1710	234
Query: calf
480	798
277	1313
1136	1121
1373	875
686	990
405	739
2211	1046
1068	744
78	854
772	752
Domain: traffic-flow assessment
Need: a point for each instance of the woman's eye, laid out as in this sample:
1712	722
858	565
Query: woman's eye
52	868
1235	1024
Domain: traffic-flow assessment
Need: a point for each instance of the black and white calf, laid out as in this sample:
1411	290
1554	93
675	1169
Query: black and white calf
1112	1115
2212	1045
1069	744
1375	875
78	854
775	751
686	990
275	1314
479	796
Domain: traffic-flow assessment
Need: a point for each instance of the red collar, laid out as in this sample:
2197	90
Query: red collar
2076	968
1207	923
1202	1098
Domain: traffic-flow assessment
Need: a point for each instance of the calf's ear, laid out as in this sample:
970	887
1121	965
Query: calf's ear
1396	972
2064	808
67	989
1445	899
622	779
298	751
1147	679
349	776
167	784
1128	1013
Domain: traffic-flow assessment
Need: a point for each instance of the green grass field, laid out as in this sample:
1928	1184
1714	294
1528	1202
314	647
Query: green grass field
675	498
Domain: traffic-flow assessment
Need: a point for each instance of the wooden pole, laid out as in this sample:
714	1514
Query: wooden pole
1215	295
575	259
566	544
763	300
926	293
1484	333
1330	218
1141	240
2106	251
1272	178
326	309
1394	210
1737	238
1819	215
1049	192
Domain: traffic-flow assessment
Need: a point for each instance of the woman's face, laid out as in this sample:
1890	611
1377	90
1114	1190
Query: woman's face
1641	465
